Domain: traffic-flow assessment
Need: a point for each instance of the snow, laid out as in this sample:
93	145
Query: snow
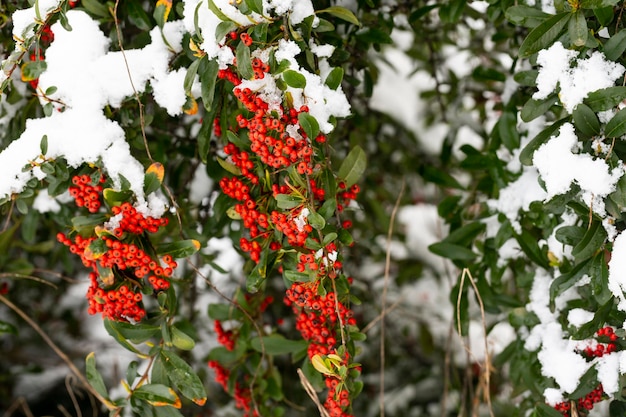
518	195
86	83
24	19
45	203
617	271
575	82
594	176
578	316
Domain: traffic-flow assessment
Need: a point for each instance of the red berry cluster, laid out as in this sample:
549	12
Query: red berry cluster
226	338
278	170
585	403
85	193
118	267
602	349
317	318
134	222
46	36
242	396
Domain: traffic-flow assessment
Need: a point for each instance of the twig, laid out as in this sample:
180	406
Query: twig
24	276
384	301
376	319
142	122
17	404
249	317
487	365
56	350
68	380
8	220
312	394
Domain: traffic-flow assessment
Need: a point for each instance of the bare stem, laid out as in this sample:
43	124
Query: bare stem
56	350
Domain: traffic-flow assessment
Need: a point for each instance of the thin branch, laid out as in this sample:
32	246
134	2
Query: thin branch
487	364
384	300
249	317
56	350
142	121
312	394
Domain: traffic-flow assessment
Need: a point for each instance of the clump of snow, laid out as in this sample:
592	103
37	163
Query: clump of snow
578	316
24	19
617	271
575	77
518	195
45	203
86	83
559	167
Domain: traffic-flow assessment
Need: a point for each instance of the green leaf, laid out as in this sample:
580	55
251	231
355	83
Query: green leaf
208	76
183	377
596	4
116	198
309	124
604	15
452	251
527	16
465	235
138	16
585	120
324	26
96	8
224	312
135	333
570	235
440	177
507	129
483	73
43	145
217	11
288	201
153	178
530	246
156	395
600	279
606	98
316	221
588	382
31	70
526	156
295	276
544	35
535	108
190	76
544	410
577	29
353	166
255	5
228	166
592	241
277	345
451	11
617	125
86	223
162	11
178	249
181	339
94	377
244	65
294	79
333	80
601	316
342	13
7	328
616	45
569	279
